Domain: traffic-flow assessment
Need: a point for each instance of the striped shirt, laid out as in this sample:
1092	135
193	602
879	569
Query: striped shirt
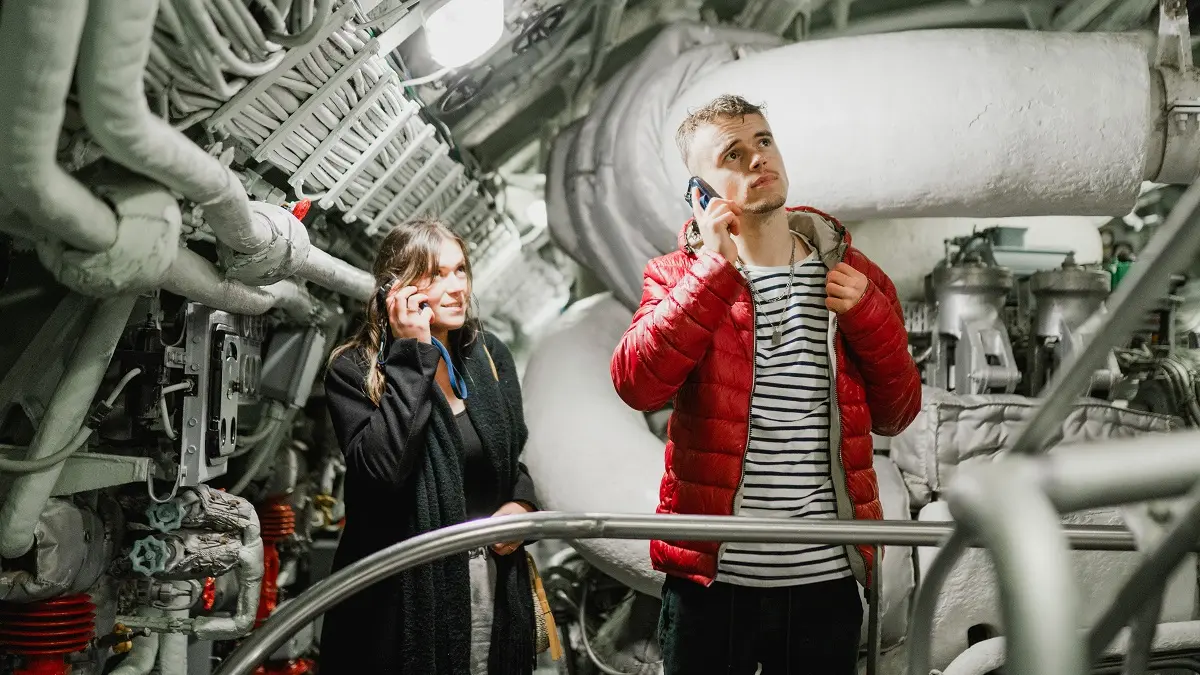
787	472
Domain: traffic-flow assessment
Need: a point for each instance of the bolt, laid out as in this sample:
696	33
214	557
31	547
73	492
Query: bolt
191	450
192	422
194	368
196	340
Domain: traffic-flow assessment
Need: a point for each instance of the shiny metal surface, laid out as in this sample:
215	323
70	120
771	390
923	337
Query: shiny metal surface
433	545
1172	248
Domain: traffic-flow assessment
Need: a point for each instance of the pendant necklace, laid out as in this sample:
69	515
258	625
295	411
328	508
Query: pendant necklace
777	333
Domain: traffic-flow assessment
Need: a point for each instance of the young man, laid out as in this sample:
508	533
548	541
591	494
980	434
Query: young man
782	348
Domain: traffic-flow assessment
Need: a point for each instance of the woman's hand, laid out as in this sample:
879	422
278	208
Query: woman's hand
406	316
510	509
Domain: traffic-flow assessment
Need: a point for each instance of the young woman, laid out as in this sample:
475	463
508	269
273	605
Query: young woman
427	410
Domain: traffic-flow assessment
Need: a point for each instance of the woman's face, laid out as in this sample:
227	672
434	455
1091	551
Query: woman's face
448	288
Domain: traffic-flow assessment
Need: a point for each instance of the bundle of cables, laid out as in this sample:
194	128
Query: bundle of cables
360	146
205	51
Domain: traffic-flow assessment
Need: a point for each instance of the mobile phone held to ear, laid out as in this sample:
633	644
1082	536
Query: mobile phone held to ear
381	296
707	193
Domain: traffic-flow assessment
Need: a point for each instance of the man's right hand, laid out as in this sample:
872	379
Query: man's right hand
718	223
406	316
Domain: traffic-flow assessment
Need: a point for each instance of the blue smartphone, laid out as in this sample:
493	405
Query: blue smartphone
707	193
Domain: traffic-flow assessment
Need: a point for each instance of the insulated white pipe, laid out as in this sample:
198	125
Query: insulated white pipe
195	278
941	123
142	657
65	414
112	61
949	122
38	45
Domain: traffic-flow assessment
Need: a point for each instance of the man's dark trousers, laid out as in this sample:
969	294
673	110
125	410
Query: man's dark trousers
812	629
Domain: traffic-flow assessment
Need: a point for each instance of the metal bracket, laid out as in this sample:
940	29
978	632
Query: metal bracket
1174	37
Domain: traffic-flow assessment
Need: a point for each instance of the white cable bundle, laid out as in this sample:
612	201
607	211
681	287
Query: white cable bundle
204	50
331	113
360	147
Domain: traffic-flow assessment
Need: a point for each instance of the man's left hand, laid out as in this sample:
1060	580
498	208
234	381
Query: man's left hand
844	287
510	509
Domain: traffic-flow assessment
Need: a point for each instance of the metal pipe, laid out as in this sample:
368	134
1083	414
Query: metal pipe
1141	636
336	274
39	43
112	60
874	594
173	649
549	525
1170	250
920	626
140	660
1103	474
1149	576
195	278
65	414
1023	532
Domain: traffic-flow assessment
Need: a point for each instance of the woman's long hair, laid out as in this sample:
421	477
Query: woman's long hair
409	253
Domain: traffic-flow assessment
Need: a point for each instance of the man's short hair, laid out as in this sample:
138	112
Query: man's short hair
725	106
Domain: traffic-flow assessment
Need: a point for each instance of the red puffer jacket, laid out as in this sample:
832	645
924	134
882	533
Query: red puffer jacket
692	341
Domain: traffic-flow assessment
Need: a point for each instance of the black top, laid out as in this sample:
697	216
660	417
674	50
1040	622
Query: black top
476	470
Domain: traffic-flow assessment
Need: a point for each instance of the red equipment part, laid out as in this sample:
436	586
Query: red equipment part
278	522
293	667
43	633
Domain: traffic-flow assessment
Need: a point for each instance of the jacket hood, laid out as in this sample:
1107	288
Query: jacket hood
820	231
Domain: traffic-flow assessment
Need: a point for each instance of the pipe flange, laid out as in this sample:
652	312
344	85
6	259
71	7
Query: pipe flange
148	228
285	254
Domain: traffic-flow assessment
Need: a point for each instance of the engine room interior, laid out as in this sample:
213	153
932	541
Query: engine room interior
193	194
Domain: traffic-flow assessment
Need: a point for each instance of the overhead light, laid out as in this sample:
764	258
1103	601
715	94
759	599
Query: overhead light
536	213
461	31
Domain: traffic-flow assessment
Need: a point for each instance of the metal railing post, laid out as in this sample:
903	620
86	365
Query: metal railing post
1022	530
874	595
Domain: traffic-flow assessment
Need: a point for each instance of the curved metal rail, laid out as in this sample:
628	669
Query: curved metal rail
549	525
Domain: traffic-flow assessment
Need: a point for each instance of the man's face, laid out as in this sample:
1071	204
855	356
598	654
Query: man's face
739	158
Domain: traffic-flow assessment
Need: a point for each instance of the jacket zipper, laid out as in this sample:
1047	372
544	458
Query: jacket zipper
835	409
737	495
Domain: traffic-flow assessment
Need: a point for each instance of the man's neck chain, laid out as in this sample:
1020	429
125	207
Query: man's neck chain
777	332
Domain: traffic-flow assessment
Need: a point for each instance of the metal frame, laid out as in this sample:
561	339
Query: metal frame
549	525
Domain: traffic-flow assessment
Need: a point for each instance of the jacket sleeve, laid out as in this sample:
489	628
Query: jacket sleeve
383	443
672	329
510	385
875	333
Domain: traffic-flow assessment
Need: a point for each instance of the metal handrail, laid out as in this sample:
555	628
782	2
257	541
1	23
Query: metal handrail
329	592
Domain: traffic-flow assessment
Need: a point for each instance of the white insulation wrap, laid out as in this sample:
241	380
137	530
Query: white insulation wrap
587	450
947	123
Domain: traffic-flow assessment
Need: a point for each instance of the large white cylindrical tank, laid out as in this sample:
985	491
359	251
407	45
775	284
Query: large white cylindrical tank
948	122
907	249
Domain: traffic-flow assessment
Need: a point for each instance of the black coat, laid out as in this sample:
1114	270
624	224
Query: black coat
404	478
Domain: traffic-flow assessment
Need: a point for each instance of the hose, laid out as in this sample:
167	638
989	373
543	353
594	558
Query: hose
76	442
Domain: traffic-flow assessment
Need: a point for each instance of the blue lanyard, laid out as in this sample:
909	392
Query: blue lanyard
456	383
